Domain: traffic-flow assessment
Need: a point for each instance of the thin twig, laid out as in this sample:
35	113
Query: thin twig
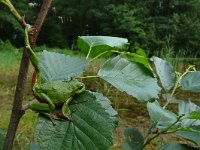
162	132
178	82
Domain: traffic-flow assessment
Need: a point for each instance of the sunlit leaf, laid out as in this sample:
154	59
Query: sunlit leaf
194	115
130	77
133	139
141	57
191	82
55	66
165	72
99	44
92	127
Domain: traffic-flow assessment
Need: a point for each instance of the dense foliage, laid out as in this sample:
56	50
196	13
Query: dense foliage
149	24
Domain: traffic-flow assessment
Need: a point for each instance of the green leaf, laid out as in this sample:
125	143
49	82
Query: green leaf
95	45
55	66
92	127
141	57
34	147
2	136
191	82
194	115
133	139
165	72
177	146
192	134
131	78
161	117
185	108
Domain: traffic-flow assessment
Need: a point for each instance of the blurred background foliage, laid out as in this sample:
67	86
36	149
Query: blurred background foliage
154	25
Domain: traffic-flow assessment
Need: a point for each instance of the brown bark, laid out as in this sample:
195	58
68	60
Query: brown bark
17	111
39	22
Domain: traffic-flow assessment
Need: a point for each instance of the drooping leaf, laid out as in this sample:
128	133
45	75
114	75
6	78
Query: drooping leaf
55	66
130	77
92	127
141	57
177	146
165	72
99	44
185	108
133	139
191	82
162	117
192	134
2	136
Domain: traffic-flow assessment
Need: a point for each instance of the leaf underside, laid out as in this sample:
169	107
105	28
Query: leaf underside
192	134
55	66
130	77
165	72
191	82
162	117
100	44
185	108
94	122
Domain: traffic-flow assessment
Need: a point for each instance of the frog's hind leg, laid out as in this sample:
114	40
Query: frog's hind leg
44	110
40	107
66	113
47	100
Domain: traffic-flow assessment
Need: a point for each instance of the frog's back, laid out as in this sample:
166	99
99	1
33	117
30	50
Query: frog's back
59	91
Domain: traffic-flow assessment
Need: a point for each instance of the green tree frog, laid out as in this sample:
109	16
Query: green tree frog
51	94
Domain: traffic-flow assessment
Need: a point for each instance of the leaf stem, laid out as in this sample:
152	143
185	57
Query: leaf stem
14	12
114	51
178	82
86	77
162	132
90	49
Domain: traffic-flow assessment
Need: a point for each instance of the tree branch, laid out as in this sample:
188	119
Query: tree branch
18	111
14	12
39	22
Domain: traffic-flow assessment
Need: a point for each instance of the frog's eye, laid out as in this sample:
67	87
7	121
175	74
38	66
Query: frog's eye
81	87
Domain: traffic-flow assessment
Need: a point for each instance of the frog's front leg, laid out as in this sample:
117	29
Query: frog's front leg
66	113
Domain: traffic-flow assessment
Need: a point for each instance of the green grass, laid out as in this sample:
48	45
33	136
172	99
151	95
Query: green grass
10	56
9	60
